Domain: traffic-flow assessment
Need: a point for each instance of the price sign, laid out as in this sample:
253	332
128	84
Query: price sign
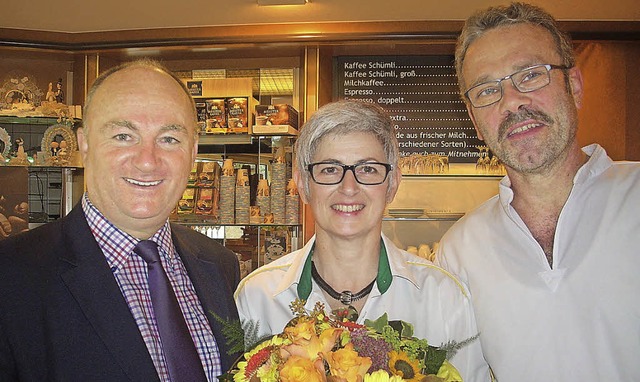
420	93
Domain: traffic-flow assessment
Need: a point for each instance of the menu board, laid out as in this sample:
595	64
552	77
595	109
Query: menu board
420	93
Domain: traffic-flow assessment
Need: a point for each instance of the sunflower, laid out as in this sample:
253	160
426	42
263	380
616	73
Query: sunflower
401	365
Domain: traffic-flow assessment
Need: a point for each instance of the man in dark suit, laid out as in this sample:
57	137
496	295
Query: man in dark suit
74	300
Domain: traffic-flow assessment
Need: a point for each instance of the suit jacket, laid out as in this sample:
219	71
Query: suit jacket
63	317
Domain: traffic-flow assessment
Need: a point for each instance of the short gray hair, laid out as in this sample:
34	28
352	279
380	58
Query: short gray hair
345	117
515	13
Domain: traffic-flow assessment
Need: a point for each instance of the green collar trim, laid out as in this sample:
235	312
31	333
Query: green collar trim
384	277
304	285
383	280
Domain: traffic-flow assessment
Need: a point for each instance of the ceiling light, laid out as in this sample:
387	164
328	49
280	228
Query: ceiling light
282	2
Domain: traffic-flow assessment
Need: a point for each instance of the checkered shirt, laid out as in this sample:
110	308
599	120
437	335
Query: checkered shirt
130	272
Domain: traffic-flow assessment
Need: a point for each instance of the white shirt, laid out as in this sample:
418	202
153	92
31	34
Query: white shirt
579	321
420	293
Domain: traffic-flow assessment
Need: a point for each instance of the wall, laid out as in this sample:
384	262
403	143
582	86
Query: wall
610	115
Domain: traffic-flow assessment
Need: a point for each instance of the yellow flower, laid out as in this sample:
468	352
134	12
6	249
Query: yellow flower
381	376
449	373
347	364
299	369
401	365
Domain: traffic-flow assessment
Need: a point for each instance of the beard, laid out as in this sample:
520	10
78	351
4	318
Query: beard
536	154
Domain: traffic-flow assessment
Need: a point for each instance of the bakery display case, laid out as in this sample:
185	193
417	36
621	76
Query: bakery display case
427	205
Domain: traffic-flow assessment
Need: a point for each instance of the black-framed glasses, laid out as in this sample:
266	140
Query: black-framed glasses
525	80
367	173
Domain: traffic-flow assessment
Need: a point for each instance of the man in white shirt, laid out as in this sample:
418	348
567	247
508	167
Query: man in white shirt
552	261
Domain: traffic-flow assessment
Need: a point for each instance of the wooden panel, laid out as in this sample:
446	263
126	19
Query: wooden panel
632	138
310	105
609	113
301	33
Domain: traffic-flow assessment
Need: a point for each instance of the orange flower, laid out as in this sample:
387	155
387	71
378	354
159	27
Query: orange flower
313	346
347	364
300	369
302	332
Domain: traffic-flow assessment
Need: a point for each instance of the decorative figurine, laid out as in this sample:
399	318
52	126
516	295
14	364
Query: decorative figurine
21	156
55	147
50	96
63	149
59	92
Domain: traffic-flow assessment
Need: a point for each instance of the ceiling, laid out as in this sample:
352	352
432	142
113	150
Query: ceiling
78	16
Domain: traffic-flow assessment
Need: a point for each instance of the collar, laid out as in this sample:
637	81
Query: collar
383	279
117	245
597	163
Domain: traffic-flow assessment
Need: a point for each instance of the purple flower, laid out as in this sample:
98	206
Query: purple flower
375	348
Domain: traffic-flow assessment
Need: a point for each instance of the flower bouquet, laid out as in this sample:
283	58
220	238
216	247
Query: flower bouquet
316	346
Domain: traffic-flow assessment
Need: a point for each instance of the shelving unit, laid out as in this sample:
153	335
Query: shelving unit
254	153
52	191
250	240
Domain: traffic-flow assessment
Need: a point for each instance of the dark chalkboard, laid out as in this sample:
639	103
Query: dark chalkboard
420	93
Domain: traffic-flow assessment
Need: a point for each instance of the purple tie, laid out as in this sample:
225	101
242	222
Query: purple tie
179	351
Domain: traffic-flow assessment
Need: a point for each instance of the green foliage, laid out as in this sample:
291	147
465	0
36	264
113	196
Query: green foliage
433	360
402	328
378	324
233	334
452	347
251	338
